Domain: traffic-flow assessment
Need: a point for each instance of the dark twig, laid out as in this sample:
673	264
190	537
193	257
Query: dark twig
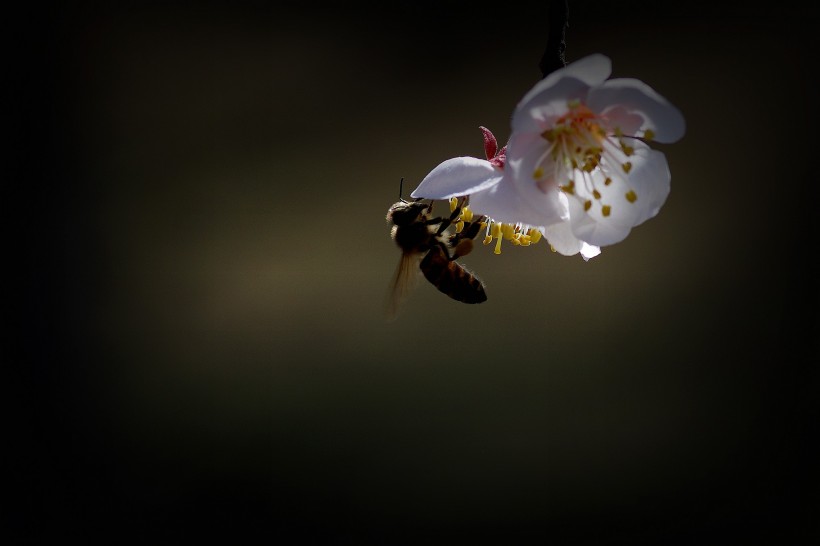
553	58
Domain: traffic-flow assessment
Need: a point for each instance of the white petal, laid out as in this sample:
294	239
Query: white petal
562	240
591	70
503	204
524	153
538	111
592	188
588	251
635	107
456	177
593	231
651	181
647	186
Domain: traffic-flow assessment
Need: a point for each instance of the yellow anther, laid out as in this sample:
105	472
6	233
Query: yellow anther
608	181
495	230
453	203
538	173
483	225
488	239
649	134
515	241
534	235
587	204
508	231
459	226
628	150
631	196
596	194
466	214
627	167
605	210
553	248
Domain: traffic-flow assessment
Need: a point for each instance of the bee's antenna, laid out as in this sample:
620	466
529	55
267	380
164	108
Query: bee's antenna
402	199
401	182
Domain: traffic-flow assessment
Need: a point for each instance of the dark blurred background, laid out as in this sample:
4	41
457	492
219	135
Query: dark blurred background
201	260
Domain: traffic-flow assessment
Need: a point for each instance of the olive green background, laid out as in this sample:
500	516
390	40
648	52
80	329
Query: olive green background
205	261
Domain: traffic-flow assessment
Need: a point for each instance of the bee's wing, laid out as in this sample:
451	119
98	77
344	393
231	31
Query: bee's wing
404	280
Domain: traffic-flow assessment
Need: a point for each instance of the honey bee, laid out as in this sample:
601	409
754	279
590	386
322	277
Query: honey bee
426	247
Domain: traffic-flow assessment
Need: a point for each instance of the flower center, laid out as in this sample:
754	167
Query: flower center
576	138
584	154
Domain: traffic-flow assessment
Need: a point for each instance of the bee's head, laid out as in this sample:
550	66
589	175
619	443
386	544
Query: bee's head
405	213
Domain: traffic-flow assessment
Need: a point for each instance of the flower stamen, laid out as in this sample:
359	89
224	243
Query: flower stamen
495	230
517	234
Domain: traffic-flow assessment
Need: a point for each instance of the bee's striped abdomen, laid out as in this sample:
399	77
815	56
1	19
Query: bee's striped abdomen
451	278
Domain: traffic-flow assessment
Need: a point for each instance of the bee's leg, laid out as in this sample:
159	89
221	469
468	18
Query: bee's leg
462	242
459	248
470	231
472	228
445	249
462	248
444	223
447	222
